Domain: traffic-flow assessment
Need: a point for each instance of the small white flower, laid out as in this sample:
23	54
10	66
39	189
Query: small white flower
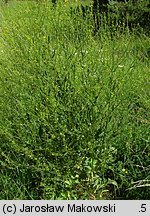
120	66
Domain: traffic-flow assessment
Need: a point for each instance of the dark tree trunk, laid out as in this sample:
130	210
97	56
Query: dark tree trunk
100	6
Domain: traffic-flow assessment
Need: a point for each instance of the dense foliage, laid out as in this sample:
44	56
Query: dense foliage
75	108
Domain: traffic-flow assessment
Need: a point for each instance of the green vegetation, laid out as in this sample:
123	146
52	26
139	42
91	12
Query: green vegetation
75	108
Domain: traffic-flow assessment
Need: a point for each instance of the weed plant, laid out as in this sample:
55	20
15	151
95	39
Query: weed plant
75	109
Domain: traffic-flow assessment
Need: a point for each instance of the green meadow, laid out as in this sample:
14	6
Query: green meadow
74	105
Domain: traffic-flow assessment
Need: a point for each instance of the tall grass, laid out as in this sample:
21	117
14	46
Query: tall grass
74	108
